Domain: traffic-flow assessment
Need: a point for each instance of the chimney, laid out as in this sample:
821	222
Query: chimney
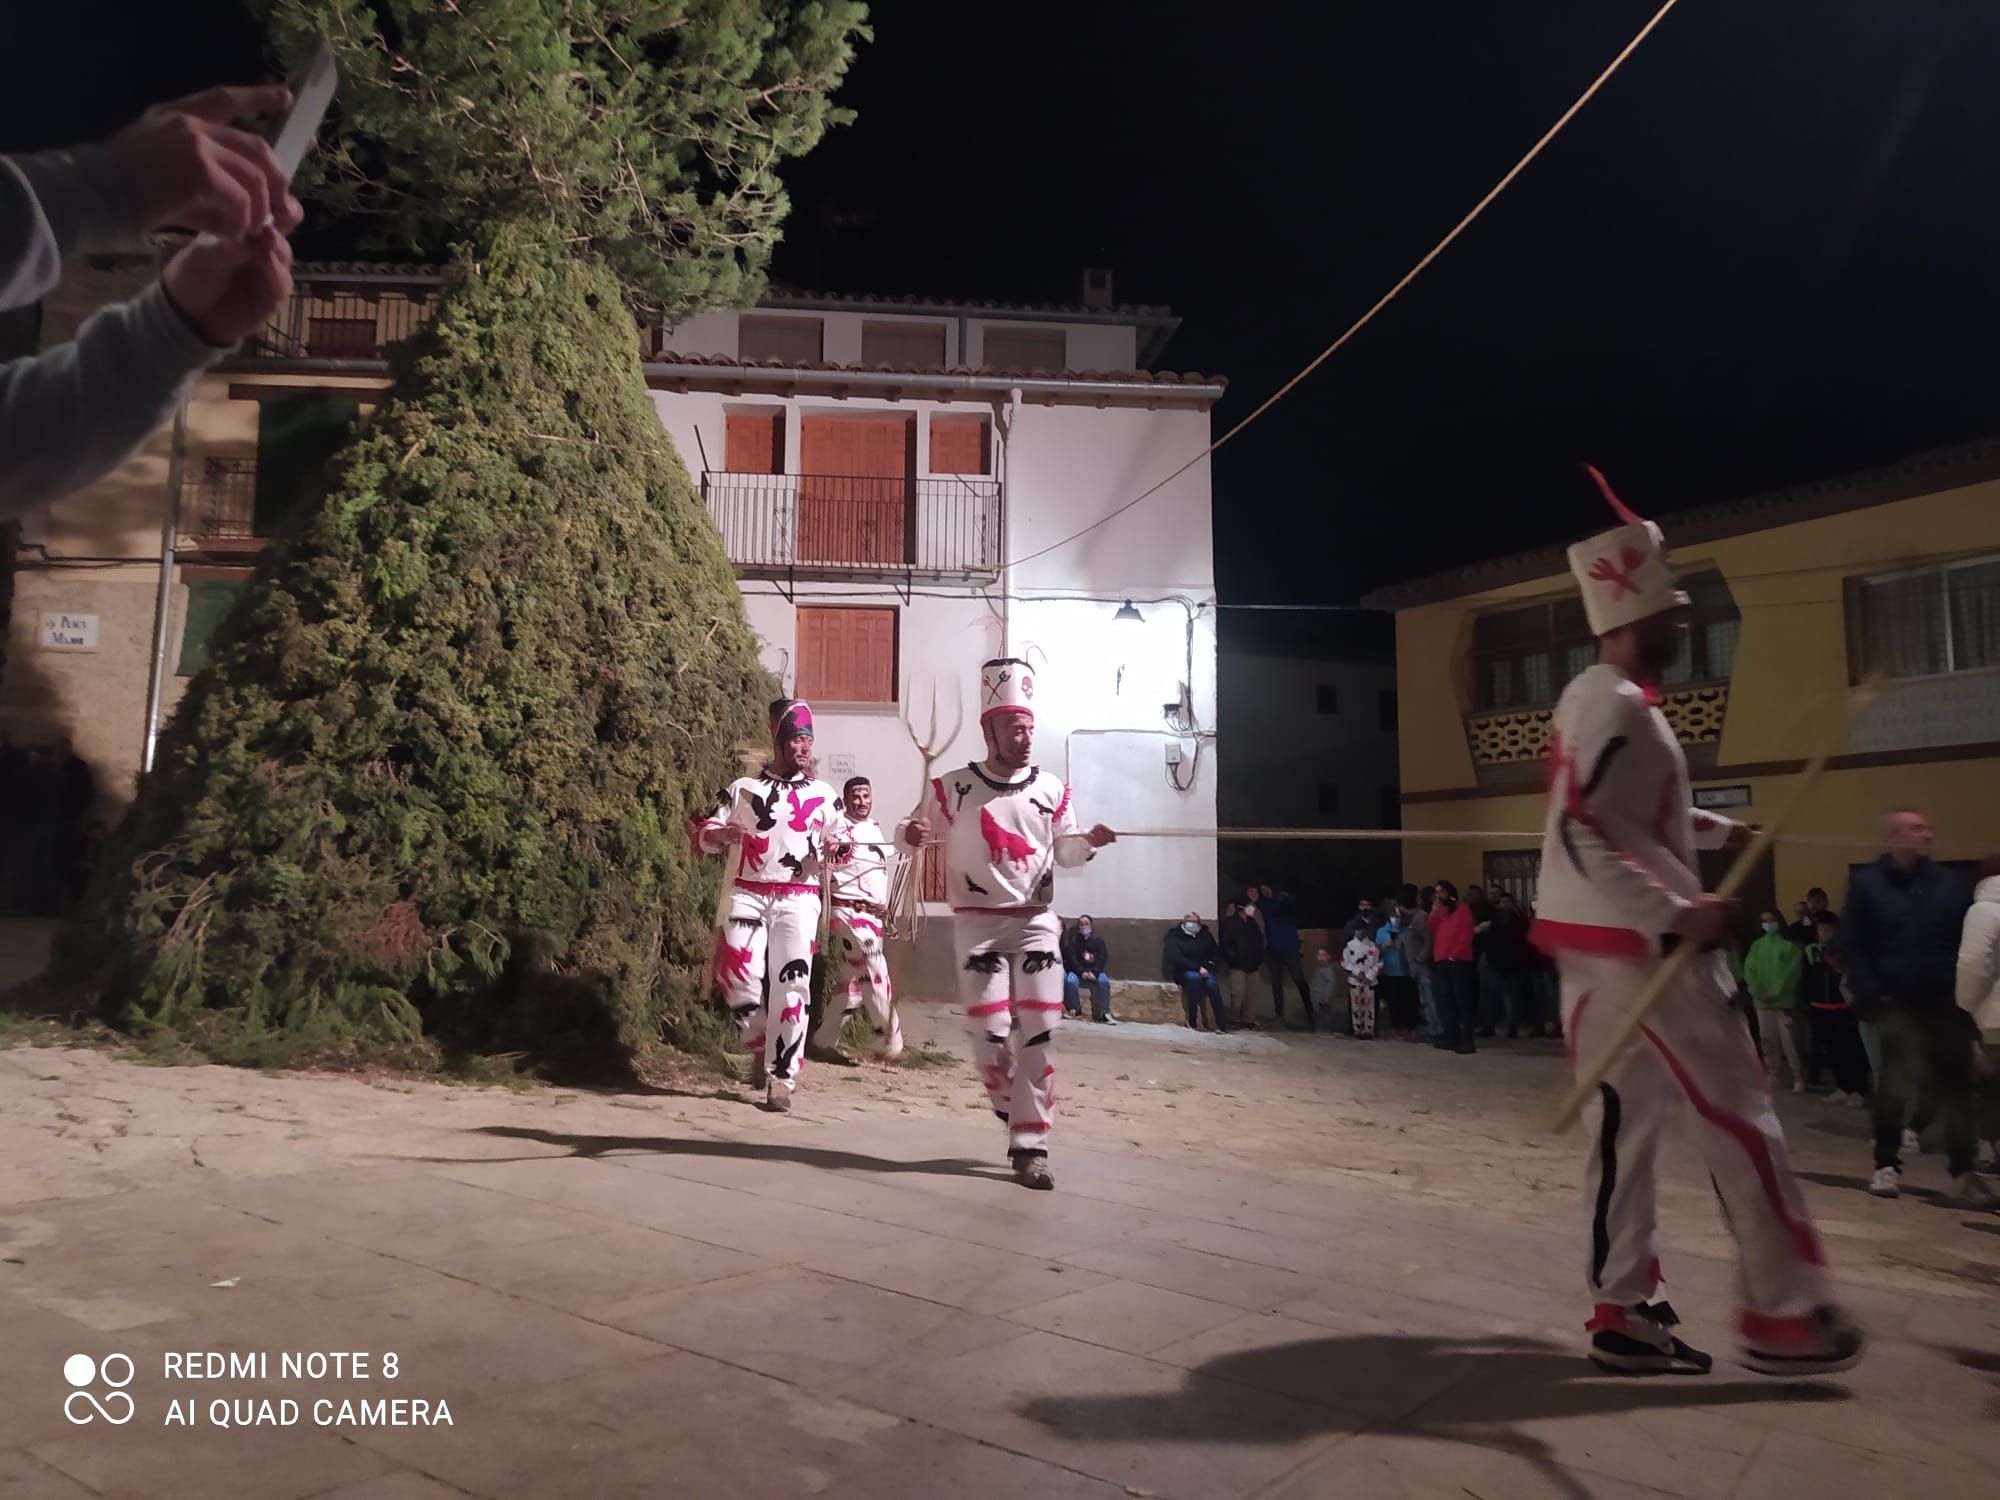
1097	286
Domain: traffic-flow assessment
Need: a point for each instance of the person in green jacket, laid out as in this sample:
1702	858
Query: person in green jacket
1774	971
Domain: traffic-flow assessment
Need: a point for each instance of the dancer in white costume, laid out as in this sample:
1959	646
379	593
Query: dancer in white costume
1006	825
763	959
1619	888
858	873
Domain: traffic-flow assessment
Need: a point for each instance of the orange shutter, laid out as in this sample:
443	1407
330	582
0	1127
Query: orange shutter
846	655
754	442
958	445
854	493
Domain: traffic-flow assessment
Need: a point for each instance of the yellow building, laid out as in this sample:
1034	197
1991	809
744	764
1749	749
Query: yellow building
1799	595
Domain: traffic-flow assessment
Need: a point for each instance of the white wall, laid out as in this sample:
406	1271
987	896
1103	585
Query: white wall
1103	682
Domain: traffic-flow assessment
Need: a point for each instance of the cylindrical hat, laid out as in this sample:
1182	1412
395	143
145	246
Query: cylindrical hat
1623	572
1006	685
790	717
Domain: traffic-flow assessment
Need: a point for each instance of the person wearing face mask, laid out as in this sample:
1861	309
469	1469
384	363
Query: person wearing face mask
1086	966
1193	961
1619	889
1774	970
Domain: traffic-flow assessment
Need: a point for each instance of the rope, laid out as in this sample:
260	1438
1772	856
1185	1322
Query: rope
1419	835
1384	300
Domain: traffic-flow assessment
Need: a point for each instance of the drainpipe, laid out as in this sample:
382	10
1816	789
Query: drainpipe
170	530
1013	415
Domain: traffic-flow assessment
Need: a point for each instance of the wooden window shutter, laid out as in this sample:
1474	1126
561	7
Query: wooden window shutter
788	341
754	442
903	346
1045	349
959	445
846	655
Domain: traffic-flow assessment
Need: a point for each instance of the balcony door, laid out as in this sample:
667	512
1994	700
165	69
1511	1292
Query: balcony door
857	486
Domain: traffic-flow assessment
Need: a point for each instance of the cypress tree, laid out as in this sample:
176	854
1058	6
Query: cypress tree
430	795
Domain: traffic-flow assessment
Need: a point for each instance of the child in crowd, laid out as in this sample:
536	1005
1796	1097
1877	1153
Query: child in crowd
1325	984
1363	962
1774	970
1836	1037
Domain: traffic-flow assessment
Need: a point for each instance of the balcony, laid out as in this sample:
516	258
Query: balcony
1520	736
219	504
855	526
327	325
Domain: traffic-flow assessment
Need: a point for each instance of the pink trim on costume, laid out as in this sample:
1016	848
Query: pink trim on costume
990	1008
1608	1317
1777	1334
1032	1127
937	791
1039	1004
860	923
1619	508
1554	937
1805	1242
1007	708
1063	806
998	911
732	964
776	888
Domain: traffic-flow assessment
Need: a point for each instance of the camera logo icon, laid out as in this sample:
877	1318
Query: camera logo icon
81	1371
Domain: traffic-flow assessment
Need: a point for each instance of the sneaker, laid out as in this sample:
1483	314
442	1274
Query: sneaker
1974	1193
1912	1143
778	1099
1031	1170
831	1056
1824	1343
1639	1340
1887	1182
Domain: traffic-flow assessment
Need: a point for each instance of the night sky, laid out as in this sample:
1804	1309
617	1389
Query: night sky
1769	251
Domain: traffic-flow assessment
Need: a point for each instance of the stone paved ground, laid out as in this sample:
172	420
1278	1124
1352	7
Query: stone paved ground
1275	1268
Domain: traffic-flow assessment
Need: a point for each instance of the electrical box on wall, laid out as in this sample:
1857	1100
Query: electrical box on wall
1173	753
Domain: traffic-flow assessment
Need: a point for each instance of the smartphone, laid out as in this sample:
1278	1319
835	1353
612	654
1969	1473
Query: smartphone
312	86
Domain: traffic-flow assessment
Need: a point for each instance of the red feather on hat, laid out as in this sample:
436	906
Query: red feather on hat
1619	507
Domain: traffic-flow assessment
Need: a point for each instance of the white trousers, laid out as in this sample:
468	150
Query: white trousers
1011	981
1693	1059
764	969
860	975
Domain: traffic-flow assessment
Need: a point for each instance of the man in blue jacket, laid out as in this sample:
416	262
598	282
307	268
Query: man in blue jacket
1281	955
1899	942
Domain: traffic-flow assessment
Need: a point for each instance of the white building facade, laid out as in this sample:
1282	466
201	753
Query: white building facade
900	486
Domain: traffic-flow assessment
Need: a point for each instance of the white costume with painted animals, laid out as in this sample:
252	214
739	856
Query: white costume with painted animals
858	877
763	960
1619	867
1003	840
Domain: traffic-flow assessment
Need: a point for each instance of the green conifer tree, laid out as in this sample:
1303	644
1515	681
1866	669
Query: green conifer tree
431	793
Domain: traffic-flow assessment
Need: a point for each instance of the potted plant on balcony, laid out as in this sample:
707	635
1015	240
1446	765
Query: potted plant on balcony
430	793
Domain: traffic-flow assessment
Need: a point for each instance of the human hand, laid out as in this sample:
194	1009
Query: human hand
1740	835
1099	836
228	289
190	168
916	833
732	835
1706	920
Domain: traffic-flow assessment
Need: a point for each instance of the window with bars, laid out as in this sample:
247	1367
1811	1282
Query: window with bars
1925	622
1525	657
1518	872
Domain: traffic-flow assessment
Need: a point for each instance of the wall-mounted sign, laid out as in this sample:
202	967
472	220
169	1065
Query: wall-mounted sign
1712	797
61	632
840	767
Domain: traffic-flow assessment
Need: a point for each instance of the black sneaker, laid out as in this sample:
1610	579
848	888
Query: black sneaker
1828	1344
1639	1340
1031	1170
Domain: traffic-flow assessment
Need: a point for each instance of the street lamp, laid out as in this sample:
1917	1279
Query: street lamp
1127	612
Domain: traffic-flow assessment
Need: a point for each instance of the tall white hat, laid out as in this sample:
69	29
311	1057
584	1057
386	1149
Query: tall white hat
1006	685
1623	572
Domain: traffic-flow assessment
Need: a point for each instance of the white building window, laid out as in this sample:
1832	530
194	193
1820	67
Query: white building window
1927	622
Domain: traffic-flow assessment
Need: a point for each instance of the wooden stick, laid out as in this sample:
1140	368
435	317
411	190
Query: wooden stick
1667	973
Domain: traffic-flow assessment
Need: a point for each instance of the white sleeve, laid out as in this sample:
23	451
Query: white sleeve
1072	849
1978	955
1711	830
707	832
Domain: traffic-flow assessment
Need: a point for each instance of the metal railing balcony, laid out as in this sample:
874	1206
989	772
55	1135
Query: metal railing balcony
336	324
846	524
219	499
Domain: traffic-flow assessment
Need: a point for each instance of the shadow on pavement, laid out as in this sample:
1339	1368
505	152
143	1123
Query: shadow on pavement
1496	1382
666	1145
1860	1185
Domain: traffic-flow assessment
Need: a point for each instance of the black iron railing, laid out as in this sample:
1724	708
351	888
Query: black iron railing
327	322
947	526
219	498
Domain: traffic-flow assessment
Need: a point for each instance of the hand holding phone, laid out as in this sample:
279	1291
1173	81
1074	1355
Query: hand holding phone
190	167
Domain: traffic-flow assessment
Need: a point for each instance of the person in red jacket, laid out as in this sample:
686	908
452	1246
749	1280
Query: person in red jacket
1453	975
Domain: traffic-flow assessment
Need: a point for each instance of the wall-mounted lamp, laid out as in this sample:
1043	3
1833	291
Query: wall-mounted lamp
1127	612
